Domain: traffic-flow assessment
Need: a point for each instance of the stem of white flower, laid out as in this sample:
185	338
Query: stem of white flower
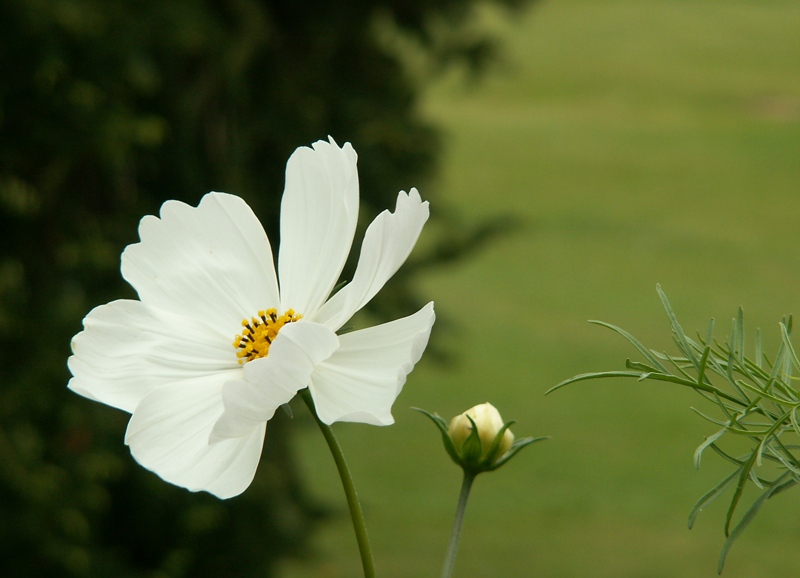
455	534
356	513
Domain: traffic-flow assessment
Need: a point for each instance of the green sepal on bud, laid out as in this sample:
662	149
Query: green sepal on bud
481	443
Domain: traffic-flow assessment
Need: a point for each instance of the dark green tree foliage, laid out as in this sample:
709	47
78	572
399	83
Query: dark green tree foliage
108	108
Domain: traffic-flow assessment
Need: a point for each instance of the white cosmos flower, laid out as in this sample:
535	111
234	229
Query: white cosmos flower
189	359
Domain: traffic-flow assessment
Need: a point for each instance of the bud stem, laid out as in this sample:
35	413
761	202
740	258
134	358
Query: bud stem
356	513
455	534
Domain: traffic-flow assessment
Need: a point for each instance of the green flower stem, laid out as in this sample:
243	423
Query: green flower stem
455	535
356	513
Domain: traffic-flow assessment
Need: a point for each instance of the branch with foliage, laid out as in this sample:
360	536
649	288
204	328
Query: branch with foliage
753	398
107	109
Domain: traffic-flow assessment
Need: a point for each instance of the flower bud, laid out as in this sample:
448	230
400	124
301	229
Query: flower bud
488	422
478	440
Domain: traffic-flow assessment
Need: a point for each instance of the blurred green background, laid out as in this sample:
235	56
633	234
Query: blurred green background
633	143
639	143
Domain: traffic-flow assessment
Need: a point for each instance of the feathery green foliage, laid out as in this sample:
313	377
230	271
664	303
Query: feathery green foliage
756	405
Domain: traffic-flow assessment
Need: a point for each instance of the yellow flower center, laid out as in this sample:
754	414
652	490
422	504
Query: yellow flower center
259	333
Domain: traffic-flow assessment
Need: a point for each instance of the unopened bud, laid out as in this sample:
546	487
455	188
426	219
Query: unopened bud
488	422
478	440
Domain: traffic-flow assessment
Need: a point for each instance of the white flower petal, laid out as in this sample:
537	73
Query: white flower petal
319	212
168	434
212	262
361	380
273	380
128	349
387	243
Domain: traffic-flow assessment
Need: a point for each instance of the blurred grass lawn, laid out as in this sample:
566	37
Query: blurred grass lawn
641	143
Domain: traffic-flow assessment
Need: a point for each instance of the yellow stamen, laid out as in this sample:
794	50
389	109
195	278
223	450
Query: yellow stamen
259	333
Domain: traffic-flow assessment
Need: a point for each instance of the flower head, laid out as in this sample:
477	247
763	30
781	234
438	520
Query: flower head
218	341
